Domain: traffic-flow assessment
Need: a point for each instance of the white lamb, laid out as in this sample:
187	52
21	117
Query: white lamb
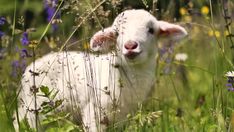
101	88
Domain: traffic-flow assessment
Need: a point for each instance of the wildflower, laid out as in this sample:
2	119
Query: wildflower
2	20
2	53
50	7
210	33
24	39
214	33
181	57
217	34
205	10
183	11
230	84
165	53
33	44
226	33
1	34
24	53
17	67
23	65
230	74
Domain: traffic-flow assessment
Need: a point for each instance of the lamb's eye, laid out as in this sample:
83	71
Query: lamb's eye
151	30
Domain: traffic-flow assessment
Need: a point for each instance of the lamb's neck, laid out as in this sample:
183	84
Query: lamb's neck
139	70
138	78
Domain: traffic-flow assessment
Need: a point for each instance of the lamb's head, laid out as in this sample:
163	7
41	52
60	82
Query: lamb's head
134	34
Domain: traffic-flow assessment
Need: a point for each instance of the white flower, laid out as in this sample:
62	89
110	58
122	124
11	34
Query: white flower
230	74
181	57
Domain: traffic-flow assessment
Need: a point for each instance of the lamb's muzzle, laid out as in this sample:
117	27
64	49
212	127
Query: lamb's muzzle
132	49
103	87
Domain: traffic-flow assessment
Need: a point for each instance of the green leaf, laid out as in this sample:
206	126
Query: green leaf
54	95
58	103
45	90
44	104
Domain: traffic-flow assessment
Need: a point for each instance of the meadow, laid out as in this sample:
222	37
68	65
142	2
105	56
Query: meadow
194	90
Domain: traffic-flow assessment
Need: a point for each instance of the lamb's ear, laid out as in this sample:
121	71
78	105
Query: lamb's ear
171	31
104	40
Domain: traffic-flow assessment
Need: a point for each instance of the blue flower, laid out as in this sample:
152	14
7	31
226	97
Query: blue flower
14	65
24	39
2	53
24	53
230	89
54	27
2	20
50	8
230	77
1	34
23	65
17	67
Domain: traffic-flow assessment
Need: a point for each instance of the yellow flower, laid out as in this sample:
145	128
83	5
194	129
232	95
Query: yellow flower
183	11
33	44
205	10
217	34
211	33
214	33
226	33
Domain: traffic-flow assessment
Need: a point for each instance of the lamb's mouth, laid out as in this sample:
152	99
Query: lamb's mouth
132	55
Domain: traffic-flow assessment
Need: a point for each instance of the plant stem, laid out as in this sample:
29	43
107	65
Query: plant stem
35	91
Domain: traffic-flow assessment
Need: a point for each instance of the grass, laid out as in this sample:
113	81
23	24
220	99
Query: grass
192	96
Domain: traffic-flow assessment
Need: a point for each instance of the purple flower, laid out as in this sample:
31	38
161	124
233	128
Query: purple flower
230	86
230	77
2	53
23	65
166	54
1	34
54	27
24	53
24	39
50	8
14	65
17	67
2	20
231	89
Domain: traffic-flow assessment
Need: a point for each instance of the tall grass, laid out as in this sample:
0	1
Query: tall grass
189	95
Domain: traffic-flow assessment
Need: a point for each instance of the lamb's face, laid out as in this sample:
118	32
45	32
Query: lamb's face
134	34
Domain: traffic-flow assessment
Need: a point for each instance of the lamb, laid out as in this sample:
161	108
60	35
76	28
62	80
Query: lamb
104	85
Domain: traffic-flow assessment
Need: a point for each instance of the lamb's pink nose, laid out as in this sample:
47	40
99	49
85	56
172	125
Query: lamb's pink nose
130	45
